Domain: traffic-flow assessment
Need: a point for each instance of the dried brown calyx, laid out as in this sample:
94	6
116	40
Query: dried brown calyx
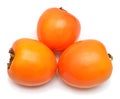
12	54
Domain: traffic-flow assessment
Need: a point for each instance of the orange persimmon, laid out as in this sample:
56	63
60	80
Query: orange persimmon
32	63
57	28
85	64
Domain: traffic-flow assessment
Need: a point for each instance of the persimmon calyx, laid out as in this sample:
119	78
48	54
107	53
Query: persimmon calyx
12	55
62	9
110	56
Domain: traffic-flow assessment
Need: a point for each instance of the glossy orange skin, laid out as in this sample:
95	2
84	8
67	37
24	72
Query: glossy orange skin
34	63
85	64
57	28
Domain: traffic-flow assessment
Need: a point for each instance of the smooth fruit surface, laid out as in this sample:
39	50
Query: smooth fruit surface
85	64
32	63
57	28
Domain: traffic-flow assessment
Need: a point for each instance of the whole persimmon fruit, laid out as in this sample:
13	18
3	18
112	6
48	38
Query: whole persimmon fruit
57	28
31	63
85	64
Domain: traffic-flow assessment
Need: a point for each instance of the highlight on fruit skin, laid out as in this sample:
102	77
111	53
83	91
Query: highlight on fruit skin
31	63
85	64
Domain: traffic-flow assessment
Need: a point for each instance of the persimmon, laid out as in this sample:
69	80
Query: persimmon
85	64
31	63
57	28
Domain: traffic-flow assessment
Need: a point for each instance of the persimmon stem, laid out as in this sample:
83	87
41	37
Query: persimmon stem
62	9
12	54
110	56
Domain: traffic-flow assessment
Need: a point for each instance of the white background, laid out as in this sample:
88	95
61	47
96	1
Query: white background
100	19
